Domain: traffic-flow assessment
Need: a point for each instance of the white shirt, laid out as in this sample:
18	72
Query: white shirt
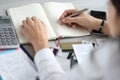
103	64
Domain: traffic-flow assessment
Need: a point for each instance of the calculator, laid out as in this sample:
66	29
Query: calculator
8	38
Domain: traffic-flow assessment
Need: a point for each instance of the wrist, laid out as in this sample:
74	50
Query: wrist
96	24
40	45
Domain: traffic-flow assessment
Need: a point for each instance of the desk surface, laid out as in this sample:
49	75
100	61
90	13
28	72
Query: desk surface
91	4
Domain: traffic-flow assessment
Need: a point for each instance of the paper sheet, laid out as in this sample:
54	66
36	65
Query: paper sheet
15	65
101	41
82	52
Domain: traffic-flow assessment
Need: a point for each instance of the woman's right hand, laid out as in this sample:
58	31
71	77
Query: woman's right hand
84	20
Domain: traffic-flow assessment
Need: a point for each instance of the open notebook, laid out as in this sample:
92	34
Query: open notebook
49	13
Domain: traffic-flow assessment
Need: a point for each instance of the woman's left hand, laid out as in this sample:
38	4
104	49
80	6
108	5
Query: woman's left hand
35	32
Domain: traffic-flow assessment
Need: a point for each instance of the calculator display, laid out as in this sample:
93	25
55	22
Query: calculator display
4	21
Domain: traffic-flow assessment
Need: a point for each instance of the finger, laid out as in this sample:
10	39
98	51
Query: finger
68	12
71	20
35	19
64	14
43	26
24	23
24	31
26	26
74	25
21	27
70	24
61	23
29	21
38	23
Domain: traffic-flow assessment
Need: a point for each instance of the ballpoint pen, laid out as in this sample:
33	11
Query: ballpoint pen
76	13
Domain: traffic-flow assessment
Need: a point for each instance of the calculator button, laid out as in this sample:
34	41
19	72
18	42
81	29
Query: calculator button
1	31
0	43
1	28
5	29
9	40
7	35
1	34
11	32
4	43
3	40
6	32
14	42
13	37
11	29
10	43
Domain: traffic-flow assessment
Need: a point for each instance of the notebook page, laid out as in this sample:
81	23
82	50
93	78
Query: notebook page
54	10
82	52
14	64
20	13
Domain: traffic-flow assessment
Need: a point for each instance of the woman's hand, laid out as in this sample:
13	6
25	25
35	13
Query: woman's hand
35	32
84	20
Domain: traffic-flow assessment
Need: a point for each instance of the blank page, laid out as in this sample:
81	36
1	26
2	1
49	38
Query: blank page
20	13
54	10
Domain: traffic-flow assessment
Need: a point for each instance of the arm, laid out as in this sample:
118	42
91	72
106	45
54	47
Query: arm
47	65
49	68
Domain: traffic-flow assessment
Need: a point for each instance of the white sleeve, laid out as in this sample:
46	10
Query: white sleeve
50	69
47	65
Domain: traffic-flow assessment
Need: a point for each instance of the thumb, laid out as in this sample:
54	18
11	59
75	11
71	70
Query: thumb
71	20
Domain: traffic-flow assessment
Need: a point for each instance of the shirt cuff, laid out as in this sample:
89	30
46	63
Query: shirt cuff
43	54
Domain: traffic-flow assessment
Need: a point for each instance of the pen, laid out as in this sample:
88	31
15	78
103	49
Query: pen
77	13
